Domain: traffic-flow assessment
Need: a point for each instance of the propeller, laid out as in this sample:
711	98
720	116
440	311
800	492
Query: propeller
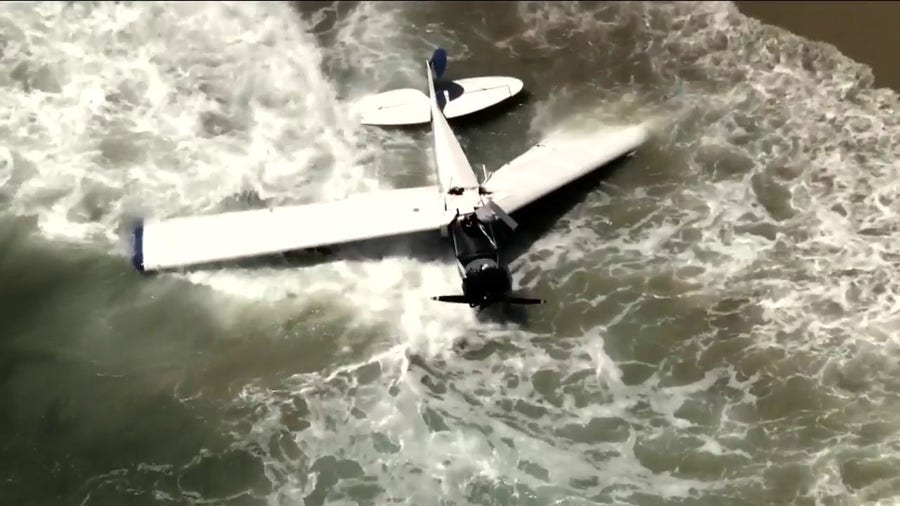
456	299
462	299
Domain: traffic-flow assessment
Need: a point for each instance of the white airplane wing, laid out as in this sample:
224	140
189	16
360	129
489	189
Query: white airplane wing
554	163
194	240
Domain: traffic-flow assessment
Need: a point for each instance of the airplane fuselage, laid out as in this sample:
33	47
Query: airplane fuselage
485	279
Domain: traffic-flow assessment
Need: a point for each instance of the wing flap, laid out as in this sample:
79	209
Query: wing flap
192	240
554	163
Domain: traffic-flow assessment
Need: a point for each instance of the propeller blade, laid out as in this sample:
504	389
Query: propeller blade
457	299
524	300
462	299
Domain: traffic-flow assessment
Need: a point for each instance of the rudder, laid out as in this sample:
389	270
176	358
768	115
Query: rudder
438	62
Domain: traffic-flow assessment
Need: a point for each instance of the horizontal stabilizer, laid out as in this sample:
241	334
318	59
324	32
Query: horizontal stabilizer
409	106
193	240
405	106
473	94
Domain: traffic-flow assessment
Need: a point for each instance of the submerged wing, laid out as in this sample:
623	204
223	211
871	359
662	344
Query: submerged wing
194	240
555	163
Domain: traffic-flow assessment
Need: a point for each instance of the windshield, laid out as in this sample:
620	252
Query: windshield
472	240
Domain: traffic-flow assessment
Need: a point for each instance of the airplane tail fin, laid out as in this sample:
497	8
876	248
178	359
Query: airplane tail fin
438	62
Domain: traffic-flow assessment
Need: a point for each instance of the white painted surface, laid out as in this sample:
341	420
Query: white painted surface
407	106
452	166
555	162
193	240
479	93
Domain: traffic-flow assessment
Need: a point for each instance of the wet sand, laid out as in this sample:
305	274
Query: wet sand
865	31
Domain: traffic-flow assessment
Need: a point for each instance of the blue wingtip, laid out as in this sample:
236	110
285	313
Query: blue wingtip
439	62
137	259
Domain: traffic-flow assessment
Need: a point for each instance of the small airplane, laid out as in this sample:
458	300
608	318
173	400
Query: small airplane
458	206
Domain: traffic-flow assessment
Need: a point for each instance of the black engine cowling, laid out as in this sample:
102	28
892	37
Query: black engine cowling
485	281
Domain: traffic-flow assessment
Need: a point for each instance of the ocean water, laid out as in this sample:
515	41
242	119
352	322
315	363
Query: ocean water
723	308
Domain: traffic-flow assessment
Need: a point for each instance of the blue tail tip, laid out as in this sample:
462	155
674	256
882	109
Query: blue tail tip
137	258
439	62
